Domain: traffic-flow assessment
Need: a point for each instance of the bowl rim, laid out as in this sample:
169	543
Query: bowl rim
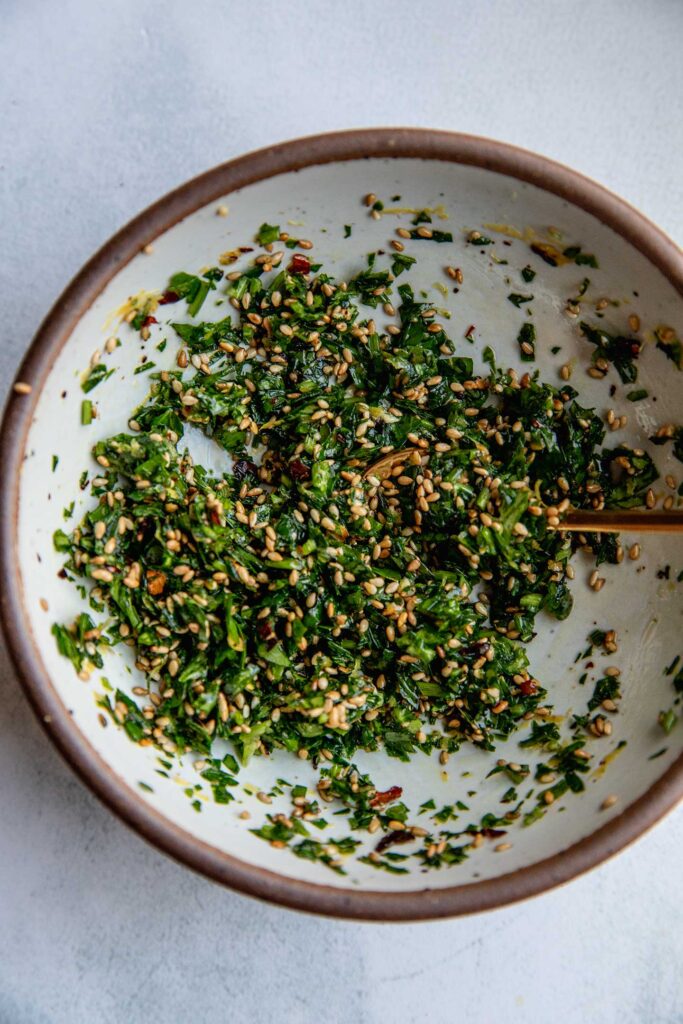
78	296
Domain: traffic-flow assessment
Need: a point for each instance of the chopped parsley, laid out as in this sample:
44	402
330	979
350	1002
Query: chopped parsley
369	573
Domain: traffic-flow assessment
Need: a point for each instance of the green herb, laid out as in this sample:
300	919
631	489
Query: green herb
620	350
144	367
80	642
670	669
575	254
96	375
194	289
347	231
435	236
668	720
55	462
86	412
605	689
267	234
526	340
528	274
519	300
638	395
61	541
670	345
400	262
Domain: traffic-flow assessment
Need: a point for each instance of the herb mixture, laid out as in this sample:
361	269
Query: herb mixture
370	571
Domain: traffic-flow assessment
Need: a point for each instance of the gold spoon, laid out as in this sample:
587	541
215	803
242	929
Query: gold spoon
573	520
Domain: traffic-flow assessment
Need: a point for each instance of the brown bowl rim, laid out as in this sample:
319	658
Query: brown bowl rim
428	144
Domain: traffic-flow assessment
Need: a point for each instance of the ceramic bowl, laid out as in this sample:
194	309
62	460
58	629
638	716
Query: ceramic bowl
317	185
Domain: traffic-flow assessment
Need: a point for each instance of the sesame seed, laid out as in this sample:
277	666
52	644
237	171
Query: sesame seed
22	388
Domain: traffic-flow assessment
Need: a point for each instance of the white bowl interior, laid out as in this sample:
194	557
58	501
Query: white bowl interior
645	610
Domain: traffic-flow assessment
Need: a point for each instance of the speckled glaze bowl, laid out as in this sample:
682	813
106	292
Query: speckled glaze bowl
319	182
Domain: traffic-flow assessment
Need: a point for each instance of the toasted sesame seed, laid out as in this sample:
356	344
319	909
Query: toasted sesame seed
222	211
148	249
22	388
608	802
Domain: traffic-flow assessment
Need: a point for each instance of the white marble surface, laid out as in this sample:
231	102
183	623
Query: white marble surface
102	108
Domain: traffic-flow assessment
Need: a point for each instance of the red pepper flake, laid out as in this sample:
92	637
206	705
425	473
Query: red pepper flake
386	796
300	264
492	833
527	687
156	581
469	333
299	470
149	320
169	297
394	839
244	467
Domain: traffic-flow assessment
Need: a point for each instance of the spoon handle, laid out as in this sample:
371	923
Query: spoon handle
644	521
